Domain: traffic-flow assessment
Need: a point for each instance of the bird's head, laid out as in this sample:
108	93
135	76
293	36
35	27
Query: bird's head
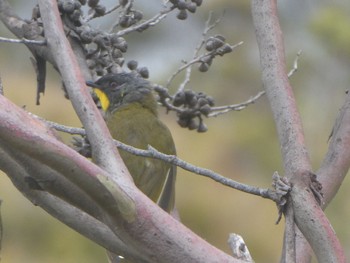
116	90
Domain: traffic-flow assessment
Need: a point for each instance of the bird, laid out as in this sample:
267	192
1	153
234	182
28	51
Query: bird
129	108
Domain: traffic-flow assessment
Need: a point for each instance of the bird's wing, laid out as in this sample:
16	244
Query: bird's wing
167	195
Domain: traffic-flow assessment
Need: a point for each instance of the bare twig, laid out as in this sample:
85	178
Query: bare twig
23	41
237	107
295	64
196	57
307	214
153	153
207	28
91	16
150	22
195	60
216	111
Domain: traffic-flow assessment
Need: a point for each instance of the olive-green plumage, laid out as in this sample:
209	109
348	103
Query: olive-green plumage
130	111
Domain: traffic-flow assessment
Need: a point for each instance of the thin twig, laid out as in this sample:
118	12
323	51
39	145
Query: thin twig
195	57
23	41
207	28
150	22
153	153
193	61
216	111
90	17
295	64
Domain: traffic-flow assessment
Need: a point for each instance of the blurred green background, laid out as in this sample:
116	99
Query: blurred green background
239	145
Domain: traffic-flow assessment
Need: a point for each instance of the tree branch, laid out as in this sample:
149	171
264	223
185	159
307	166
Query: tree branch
104	151
22	41
153	153
28	136
296	161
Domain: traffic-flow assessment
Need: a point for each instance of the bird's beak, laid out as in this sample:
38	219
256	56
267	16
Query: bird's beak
92	84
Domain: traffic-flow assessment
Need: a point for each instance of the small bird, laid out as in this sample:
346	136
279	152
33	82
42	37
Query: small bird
130	111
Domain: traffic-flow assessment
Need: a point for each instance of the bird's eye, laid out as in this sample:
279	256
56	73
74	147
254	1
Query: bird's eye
113	84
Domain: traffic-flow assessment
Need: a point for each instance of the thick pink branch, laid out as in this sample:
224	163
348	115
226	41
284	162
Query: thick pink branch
278	88
174	242
337	160
308	215
104	151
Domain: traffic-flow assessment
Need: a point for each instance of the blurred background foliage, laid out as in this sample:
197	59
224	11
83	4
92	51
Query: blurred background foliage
240	145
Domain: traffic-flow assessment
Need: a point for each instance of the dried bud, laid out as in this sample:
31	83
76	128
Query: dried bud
143	72
102	40
179	99
208	59
174	2
86	37
192	7
183	122
181	5
100	10
192	125
220	37
116	53
36	12
132	64
114	68
198	2
189	94
77	4
121	44
213	43
124	21
68	6
205	110
123	2
138	15
202	102
75	16
182	15
193	102
203	67
210	101
93	3
202	127
120	61
224	50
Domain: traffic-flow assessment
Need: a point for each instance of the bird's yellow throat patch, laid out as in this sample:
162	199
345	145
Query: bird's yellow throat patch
103	98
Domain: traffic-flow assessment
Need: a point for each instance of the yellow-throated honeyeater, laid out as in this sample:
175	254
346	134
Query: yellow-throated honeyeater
130	111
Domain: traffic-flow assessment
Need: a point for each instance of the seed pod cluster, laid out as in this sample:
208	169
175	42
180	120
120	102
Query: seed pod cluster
193	107
104	52
215	45
185	6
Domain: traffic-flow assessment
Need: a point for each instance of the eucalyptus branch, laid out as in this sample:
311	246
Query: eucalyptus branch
198	59
151	152
207	57
208	27
216	111
23	41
